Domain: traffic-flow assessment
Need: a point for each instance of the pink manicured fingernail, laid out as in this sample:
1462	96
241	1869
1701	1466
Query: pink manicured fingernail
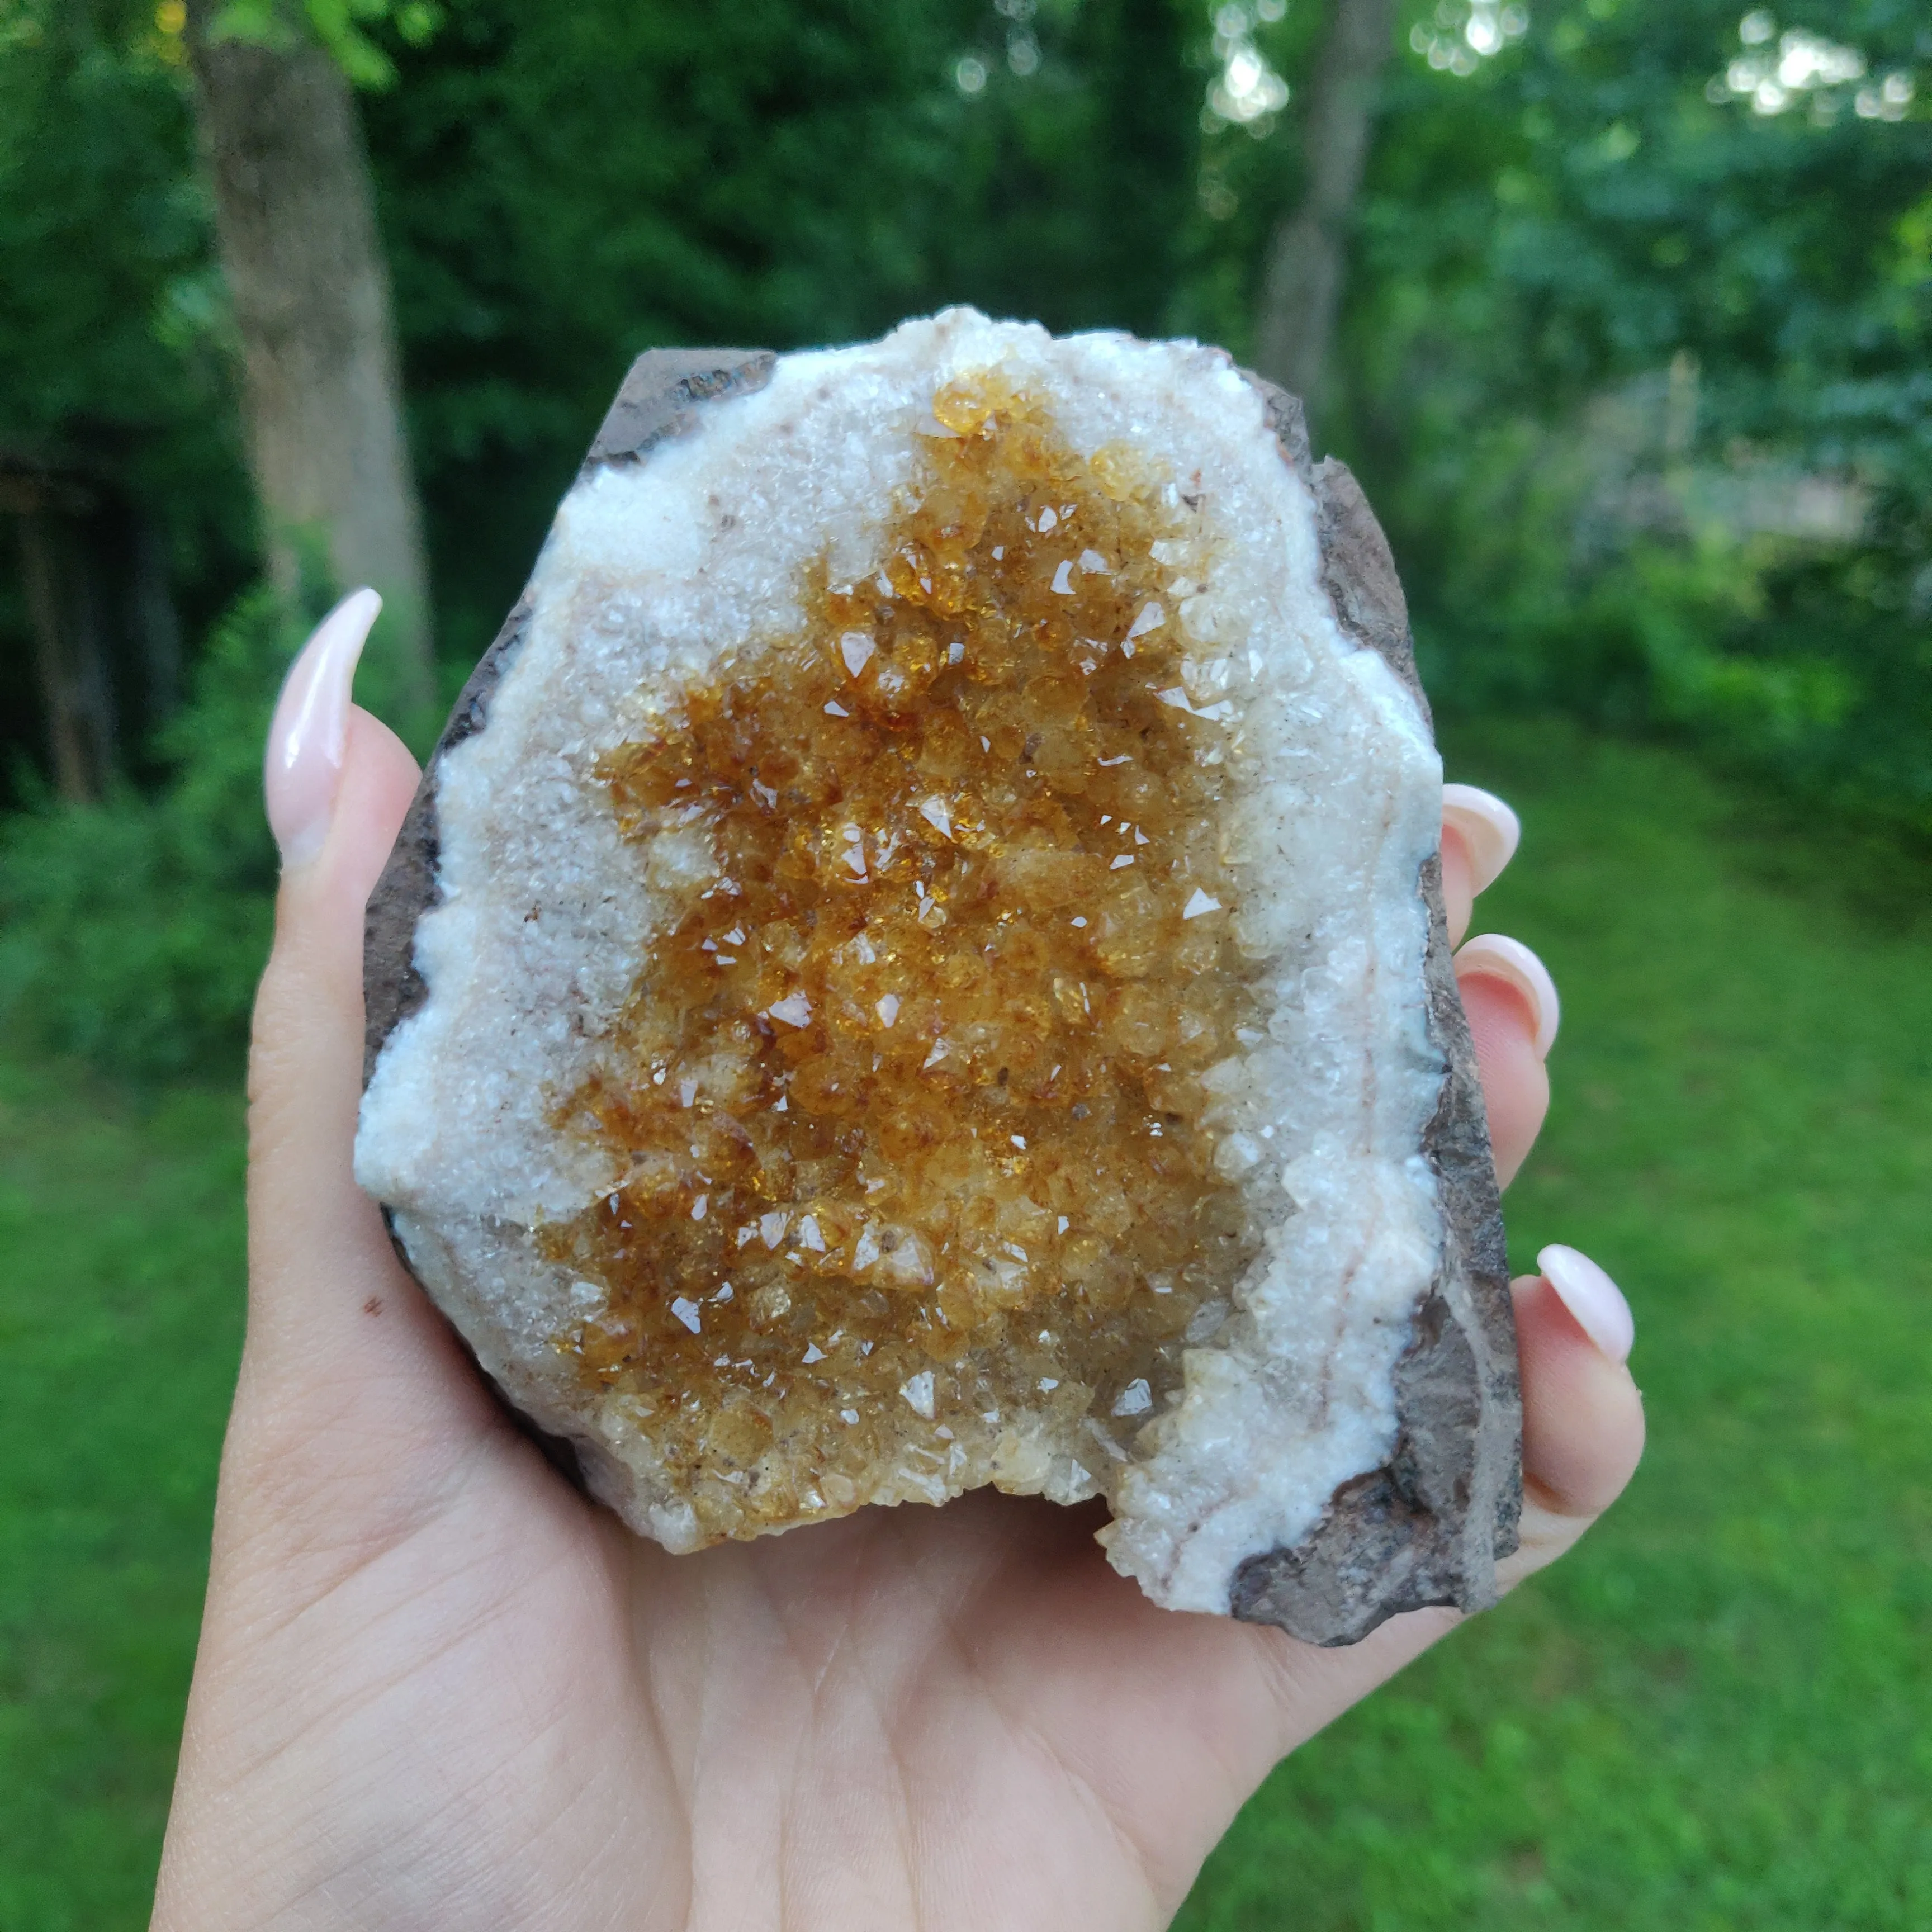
1489	828
1511	961
311	724
1595	1300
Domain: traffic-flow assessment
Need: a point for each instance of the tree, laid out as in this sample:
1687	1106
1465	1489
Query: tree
1562	204
67	658
1634	365
295	217
123	503
564	186
1301	285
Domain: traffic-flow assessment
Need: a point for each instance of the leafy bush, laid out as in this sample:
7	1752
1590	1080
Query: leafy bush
1551	580
1635	366
133	931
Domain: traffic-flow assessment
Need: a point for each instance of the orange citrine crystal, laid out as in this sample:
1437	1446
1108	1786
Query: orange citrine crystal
908	1099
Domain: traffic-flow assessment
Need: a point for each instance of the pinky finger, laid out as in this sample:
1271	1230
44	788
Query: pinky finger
1582	1417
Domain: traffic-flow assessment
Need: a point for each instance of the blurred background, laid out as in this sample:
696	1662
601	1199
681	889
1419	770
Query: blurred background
1621	308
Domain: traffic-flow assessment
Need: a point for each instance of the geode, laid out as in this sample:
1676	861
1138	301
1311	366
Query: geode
919	962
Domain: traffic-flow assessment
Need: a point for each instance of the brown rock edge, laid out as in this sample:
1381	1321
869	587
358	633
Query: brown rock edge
1428	1527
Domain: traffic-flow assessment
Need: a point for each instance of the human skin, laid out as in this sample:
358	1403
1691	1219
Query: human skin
436	1688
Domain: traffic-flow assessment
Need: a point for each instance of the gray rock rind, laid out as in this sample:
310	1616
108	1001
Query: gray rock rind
1428	1527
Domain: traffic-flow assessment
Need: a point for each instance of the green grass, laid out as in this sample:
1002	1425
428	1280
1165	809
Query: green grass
120	1323
1715	1715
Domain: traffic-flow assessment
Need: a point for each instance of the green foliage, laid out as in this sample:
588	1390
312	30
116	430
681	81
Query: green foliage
115	356
1739	549
342	27
1541	240
1607	327
133	931
105	313
561	187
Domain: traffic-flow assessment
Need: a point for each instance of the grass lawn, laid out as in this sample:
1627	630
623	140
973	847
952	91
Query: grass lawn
1717	1714
120	1324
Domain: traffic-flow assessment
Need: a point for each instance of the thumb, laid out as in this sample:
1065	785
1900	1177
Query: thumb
344	1355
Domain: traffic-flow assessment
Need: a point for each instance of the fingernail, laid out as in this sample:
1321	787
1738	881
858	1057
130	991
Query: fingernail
304	764
1511	961
1595	1300
1489	828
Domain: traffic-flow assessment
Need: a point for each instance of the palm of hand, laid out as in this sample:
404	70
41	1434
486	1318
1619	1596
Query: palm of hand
436	1688
832	1729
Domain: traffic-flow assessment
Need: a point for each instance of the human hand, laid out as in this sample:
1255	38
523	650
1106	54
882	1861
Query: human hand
436	1688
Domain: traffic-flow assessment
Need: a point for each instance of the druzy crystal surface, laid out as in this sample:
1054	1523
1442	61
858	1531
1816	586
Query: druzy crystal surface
908	1097
917	965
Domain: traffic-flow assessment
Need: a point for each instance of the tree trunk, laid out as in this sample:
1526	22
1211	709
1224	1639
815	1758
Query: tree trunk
1301	289
74	683
295	217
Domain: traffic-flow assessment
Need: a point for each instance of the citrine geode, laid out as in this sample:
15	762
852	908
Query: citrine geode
919	963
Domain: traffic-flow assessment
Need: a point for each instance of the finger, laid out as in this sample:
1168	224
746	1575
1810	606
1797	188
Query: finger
322	1275
1583	1433
307	1217
1459	881
1582	1416
356	1411
1513	1011
1480	835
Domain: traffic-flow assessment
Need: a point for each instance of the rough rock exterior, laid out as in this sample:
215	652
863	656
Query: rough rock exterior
1319	1425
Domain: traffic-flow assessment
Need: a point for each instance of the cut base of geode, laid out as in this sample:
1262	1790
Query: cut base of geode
919	962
